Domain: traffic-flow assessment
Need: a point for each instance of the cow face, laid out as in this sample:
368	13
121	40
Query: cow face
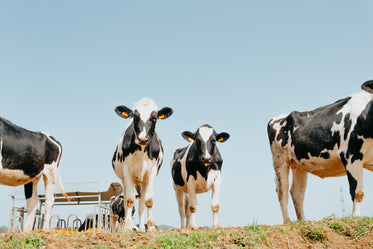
145	115
205	140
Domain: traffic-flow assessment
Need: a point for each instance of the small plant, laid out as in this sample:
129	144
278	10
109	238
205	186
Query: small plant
337	225
313	234
254	234
29	241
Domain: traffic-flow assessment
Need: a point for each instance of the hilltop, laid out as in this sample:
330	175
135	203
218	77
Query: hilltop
328	233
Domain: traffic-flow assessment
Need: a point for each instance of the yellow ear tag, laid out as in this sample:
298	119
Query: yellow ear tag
161	117
190	139
125	114
221	139
121	198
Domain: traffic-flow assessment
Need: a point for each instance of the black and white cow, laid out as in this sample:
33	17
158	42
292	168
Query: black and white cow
139	156
117	212
333	140
196	169
25	156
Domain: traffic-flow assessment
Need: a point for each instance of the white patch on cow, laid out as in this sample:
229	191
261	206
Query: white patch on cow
277	126
145	107
281	116
354	107
142	134
206	133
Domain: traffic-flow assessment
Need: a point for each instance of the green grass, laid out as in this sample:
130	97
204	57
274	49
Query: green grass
24	242
254	235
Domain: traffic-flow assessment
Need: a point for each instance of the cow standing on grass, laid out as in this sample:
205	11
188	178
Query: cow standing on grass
196	169
333	140
25	156
139	156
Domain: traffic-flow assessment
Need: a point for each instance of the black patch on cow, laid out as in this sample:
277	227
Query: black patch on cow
25	150
154	147
129	146
28	190
194	164
353	184
117	207
347	125
362	129
313	130
176	167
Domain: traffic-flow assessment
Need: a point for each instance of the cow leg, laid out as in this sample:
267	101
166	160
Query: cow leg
31	202
49	177
180	201
298	188
215	202
355	179
148	198
192	205
129	200
142	210
187	210
282	167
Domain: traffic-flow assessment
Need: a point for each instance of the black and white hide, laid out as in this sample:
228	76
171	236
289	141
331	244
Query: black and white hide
138	157
25	157
197	169
333	140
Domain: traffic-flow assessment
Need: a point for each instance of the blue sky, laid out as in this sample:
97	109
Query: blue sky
65	66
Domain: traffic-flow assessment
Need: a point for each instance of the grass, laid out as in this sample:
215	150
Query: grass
20	241
253	235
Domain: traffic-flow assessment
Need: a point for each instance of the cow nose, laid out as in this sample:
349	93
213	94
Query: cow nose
206	159
142	140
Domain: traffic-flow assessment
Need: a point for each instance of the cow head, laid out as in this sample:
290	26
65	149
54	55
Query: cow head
205	140
368	86
145	114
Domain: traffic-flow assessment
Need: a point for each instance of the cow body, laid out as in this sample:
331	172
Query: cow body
117	212
25	156
196	169
138	157
333	140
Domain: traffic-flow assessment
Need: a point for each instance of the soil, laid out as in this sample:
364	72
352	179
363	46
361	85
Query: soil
279	236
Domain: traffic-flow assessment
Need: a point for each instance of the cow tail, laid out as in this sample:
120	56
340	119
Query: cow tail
61	185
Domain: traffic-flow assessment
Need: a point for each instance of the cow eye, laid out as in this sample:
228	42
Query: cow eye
213	142
154	120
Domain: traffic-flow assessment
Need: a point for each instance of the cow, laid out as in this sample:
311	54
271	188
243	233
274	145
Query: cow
139	156
25	157
196	169
88	222
333	140
117	212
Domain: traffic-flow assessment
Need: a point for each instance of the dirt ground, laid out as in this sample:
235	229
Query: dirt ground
279	236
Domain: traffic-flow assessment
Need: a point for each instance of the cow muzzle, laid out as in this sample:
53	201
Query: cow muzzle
206	160
142	140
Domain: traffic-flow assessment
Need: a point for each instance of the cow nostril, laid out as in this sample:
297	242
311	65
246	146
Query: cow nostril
142	140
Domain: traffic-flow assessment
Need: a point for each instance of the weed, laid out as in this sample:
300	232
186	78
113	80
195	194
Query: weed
313	234
29	241
254	234
337	225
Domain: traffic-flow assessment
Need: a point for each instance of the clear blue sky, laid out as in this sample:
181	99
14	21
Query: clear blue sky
65	66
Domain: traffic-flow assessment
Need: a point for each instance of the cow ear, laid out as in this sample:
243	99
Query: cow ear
187	135
222	137
164	113
124	111
368	86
